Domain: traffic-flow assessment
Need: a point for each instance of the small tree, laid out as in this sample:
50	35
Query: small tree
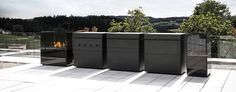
209	17
233	20
136	22
116	26
18	30
207	23
214	7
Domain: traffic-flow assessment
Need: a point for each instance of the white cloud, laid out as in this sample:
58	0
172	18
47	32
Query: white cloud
154	8
231	4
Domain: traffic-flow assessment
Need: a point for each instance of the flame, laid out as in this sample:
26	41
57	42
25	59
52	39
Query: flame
59	44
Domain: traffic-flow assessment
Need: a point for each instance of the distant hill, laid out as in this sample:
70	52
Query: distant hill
154	20
46	23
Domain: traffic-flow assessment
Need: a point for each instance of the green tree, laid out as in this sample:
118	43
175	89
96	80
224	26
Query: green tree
116	26
209	17
135	22
18	30
214	7
233	20
207	23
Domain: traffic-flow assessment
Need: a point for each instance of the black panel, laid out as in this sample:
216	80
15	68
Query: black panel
197	53
165	53
125	51
124	35
51	55
89	49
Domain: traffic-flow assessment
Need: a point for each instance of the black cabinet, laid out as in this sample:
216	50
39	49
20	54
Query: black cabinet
56	48
198	50
165	53
89	49
125	51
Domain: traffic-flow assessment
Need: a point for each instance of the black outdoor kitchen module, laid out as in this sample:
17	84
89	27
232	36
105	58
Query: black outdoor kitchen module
125	51
198	50
165	53
89	49
56	48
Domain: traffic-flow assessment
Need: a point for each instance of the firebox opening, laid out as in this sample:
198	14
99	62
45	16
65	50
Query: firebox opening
58	44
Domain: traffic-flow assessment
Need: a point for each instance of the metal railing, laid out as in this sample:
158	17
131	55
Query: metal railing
227	47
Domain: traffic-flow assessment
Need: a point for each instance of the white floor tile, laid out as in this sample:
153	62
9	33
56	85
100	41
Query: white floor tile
63	79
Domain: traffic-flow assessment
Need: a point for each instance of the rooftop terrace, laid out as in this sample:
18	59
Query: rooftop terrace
33	77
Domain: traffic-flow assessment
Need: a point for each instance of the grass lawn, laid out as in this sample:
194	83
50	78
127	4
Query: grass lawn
30	42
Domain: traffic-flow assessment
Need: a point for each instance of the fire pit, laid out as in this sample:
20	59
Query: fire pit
56	48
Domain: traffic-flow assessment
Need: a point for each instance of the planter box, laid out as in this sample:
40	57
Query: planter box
165	53
125	51
56	48
199	49
89	49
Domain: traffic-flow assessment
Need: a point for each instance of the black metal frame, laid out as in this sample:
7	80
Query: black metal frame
51	55
198	50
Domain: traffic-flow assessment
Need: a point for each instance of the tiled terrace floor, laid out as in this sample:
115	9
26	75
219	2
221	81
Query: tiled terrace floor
38	78
34	77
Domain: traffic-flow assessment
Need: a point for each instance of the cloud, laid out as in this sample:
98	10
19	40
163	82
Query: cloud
169	8
154	8
231	4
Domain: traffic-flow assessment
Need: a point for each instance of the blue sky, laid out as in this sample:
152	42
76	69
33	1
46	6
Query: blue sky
154	8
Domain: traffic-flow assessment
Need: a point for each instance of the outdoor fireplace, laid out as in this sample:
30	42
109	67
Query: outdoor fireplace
155	52
59	44
56	48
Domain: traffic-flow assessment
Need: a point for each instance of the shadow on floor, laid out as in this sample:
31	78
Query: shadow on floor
114	76
47	68
77	73
39	70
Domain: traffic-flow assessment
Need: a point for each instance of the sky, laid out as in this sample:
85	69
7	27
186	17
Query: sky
155	8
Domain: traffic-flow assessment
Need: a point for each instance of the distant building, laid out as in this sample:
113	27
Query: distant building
5	32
